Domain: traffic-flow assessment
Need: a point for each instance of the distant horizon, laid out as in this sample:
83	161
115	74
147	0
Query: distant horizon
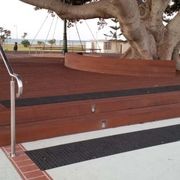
58	41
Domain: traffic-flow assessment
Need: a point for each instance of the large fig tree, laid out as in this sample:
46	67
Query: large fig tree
141	22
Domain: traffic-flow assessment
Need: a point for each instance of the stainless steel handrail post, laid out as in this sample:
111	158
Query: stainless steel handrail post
13	118
13	98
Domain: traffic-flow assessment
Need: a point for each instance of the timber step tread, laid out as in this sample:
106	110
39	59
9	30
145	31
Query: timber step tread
29	131
81	108
91	95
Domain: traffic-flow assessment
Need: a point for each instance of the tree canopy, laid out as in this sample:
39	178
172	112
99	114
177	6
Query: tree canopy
174	7
141	22
4	34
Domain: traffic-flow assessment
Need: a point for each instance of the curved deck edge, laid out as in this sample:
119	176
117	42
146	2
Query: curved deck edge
117	66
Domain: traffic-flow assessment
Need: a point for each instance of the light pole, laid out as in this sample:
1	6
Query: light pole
16	29
65	49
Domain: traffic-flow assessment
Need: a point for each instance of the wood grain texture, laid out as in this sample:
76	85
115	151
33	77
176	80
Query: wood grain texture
117	66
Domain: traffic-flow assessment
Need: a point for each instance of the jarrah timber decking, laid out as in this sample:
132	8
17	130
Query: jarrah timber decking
47	77
119	66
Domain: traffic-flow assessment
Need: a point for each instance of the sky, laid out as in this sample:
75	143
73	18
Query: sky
19	17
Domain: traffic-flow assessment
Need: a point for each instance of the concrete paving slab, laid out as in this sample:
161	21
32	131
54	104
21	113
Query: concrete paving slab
7	170
155	163
152	163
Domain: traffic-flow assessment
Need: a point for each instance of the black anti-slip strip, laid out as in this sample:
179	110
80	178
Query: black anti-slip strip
61	155
93	95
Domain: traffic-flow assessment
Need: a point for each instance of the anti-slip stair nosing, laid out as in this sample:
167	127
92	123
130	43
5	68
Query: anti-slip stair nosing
91	96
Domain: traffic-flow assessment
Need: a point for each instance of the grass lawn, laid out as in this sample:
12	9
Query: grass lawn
9	47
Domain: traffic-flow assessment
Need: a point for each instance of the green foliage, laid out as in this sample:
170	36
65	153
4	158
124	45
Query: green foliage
174	7
4	34
24	35
40	43
52	41
114	32
25	43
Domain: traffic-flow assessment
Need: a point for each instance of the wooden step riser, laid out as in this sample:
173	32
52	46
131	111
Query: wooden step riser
79	108
2	108
56	127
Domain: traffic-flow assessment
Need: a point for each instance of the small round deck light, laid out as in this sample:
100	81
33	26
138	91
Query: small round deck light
103	124
93	108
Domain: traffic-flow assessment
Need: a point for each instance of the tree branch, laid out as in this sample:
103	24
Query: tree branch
99	9
91	10
173	26
176	56
51	5
171	39
157	8
155	25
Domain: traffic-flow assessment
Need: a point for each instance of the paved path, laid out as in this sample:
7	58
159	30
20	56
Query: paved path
151	163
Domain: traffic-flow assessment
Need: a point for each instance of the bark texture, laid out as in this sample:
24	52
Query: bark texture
141	24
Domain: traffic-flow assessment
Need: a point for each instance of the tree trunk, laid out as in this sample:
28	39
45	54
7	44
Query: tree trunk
176	55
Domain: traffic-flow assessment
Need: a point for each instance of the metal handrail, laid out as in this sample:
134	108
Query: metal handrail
11	72
18	79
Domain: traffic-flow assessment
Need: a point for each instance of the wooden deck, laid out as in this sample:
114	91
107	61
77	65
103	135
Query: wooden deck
119	66
44	77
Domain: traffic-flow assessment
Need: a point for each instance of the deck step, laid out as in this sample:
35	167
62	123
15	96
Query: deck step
91	96
34	130
88	107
